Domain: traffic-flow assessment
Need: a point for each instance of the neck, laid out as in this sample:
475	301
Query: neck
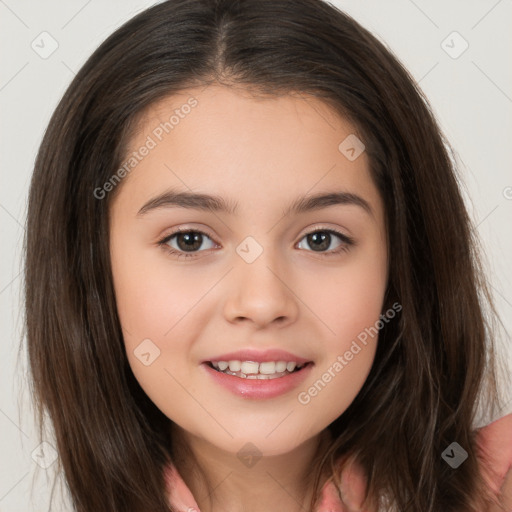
220	481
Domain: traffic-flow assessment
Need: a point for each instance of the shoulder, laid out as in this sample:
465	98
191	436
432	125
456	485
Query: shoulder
495	450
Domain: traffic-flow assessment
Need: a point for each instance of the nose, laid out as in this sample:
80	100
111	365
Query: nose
261	292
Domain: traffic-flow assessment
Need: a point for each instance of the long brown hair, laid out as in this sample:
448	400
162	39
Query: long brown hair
433	363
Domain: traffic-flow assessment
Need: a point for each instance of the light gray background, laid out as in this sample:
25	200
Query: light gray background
471	96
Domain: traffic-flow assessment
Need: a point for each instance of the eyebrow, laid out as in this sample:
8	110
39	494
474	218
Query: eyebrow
212	203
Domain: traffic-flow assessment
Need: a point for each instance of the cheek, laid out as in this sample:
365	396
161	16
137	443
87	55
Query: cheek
346	361
350	310
151	300
153	309
349	298
158	311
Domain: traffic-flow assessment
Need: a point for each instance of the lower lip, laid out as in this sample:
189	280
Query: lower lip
256	388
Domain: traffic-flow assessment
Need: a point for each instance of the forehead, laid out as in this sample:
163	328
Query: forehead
253	148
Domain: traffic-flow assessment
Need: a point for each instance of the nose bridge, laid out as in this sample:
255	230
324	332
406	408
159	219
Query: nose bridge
259	290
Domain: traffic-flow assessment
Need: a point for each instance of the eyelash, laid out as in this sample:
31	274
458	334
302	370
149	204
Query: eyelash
347	242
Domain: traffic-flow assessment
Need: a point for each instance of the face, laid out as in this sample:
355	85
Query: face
248	273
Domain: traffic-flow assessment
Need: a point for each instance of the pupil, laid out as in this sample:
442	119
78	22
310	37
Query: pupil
318	241
319	236
192	240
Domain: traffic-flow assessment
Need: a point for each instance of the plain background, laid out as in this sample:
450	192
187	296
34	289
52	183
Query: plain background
471	95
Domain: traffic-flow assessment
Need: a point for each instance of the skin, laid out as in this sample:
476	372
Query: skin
262	153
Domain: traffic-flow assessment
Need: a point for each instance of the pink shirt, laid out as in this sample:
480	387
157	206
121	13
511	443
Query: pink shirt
494	441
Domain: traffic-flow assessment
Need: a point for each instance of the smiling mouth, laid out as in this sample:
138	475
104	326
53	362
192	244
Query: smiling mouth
254	370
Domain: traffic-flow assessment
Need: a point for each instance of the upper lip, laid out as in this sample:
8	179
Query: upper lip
259	356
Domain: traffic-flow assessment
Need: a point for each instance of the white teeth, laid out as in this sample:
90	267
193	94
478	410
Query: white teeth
249	367
234	366
280	366
268	368
254	370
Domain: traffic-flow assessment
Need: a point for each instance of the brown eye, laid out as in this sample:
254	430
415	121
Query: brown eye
182	242
321	240
189	241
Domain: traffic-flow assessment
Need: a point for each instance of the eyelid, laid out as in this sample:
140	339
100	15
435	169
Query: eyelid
164	239
347	240
306	231
324	227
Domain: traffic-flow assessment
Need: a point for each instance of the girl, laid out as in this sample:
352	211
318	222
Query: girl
251	281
